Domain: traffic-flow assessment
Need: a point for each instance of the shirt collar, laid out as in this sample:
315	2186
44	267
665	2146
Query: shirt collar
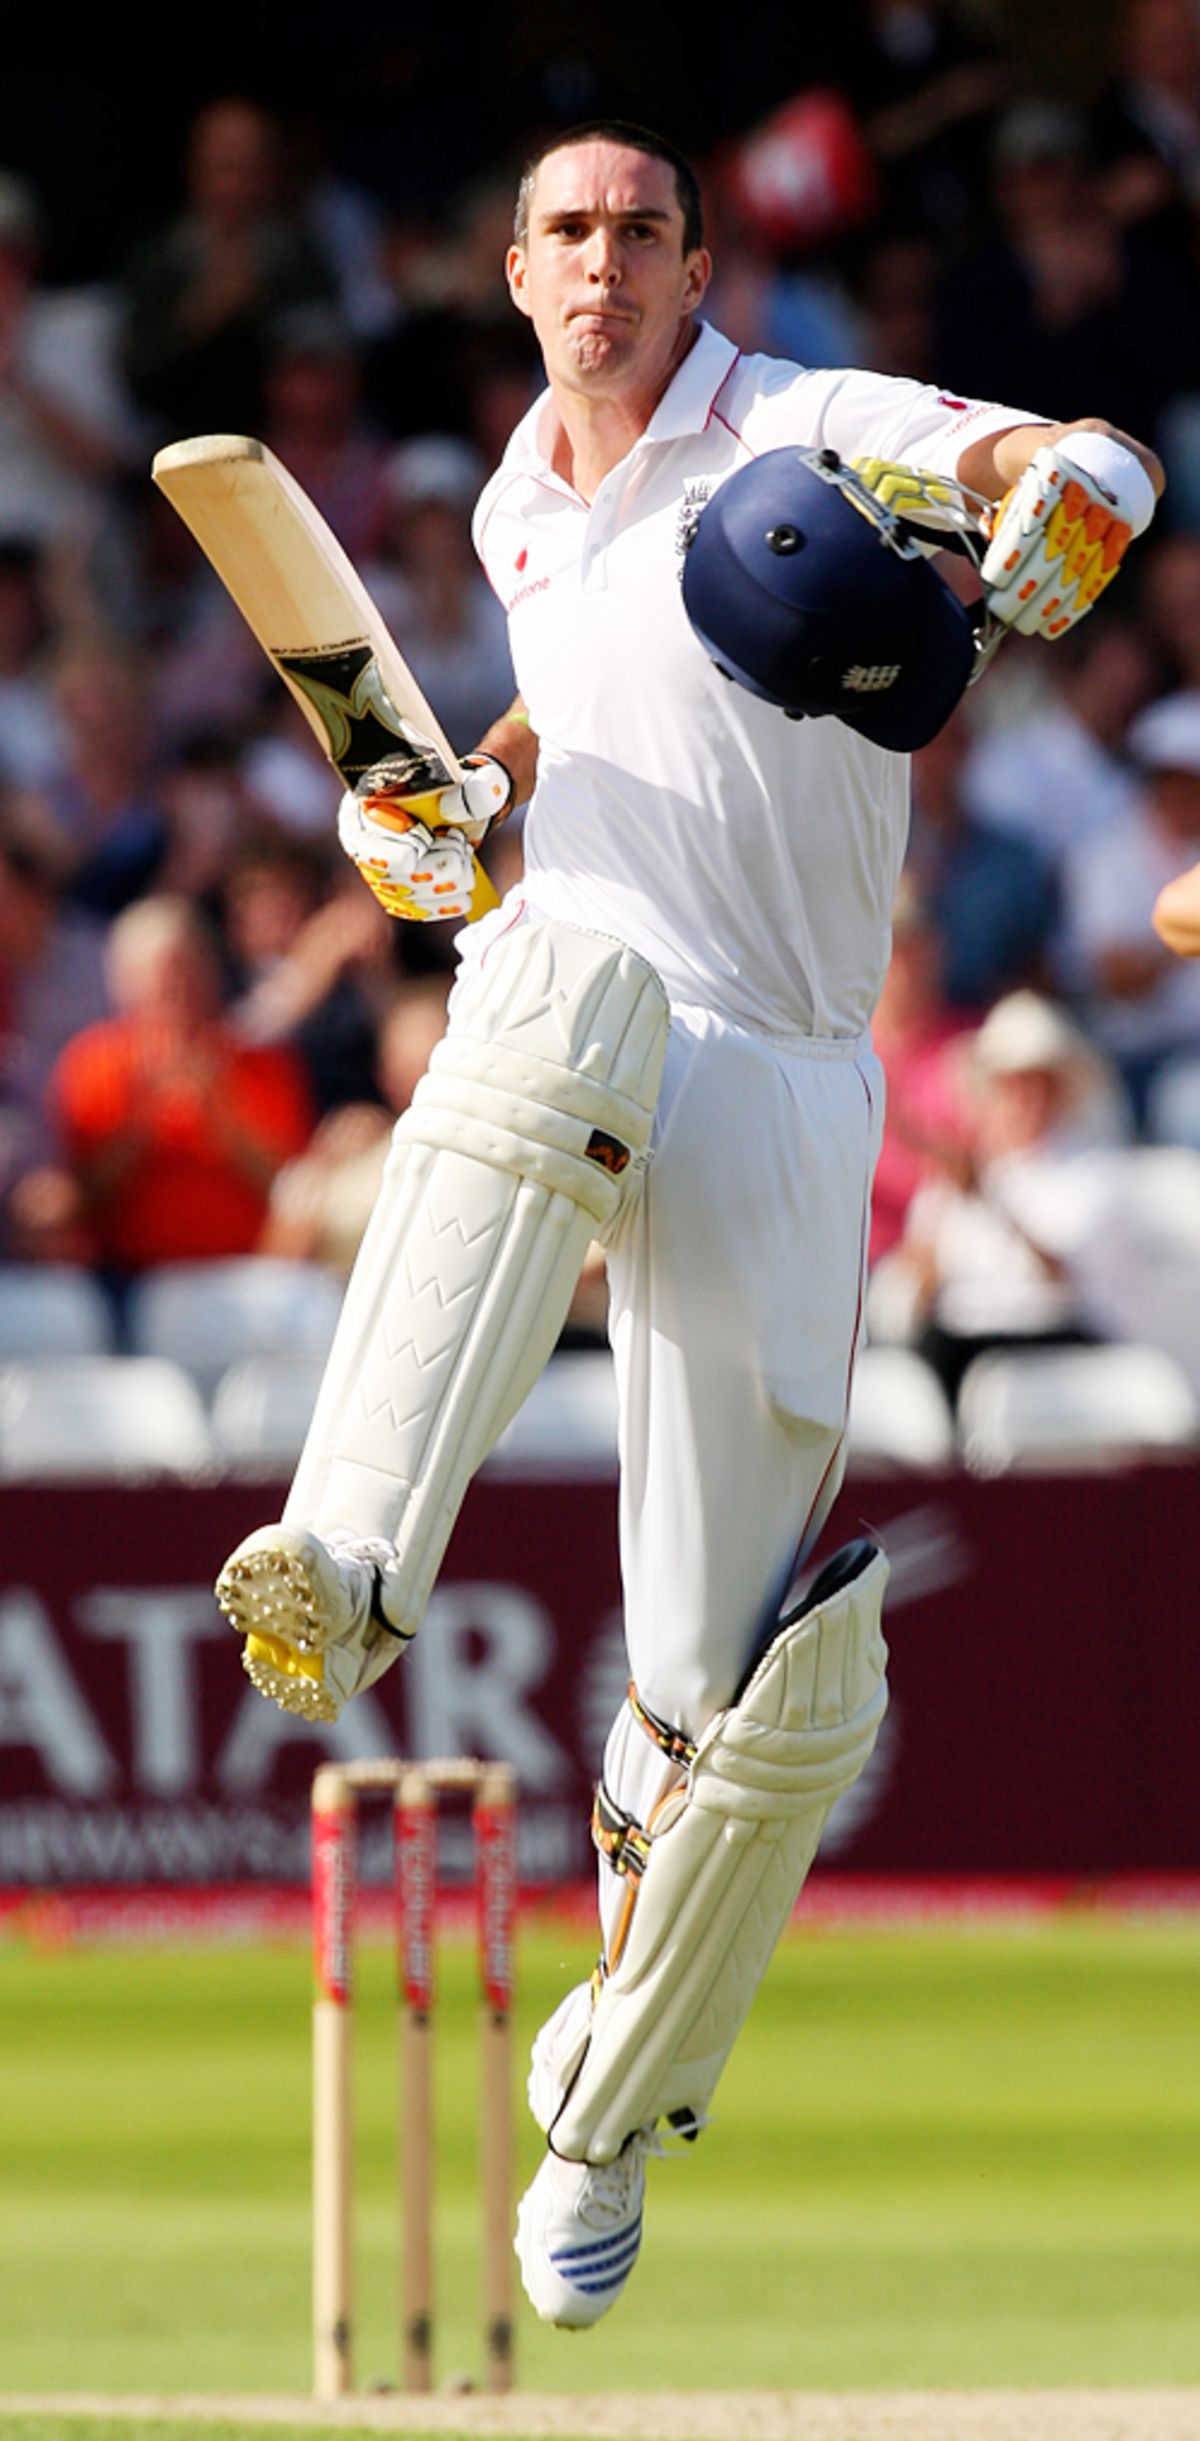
687	402
684	407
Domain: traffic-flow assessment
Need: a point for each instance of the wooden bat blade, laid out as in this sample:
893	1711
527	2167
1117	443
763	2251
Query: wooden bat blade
303	599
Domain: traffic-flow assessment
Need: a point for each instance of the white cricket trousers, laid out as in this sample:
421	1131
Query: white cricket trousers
736	1293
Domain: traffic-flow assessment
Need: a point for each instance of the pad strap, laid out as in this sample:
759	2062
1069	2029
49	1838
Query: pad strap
674	1743
618	1837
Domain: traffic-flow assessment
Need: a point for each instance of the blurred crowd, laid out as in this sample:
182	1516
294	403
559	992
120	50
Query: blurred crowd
206	1024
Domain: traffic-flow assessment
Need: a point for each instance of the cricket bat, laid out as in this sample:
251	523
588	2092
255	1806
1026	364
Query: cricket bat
312	614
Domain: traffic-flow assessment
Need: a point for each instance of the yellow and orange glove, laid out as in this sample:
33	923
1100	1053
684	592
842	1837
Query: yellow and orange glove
416	851
1059	536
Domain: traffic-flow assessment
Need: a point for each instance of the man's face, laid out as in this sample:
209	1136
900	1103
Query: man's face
603	275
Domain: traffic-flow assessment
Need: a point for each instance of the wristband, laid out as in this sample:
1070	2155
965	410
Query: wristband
1116	471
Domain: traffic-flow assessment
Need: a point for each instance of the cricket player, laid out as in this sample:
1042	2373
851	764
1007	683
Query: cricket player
661	1038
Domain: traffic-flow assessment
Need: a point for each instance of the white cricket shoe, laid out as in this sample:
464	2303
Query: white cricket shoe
310	1613
579	2227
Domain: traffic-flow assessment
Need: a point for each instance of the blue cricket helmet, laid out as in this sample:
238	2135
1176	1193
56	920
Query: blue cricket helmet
804	589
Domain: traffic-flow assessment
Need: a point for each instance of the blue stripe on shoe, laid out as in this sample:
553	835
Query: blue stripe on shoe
600	2288
610	2275
600	2248
591	2276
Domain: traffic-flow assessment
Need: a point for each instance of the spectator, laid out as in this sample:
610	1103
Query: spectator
1059	776
32	740
991	895
788	195
208	814
348	225
923	1043
1143	1003
930	83
315	422
321	1202
66	432
173	1128
201	297
1055	303
102	806
1146	129
896	291
52	983
996	1245
1170	607
286	773
51	956
1146	124
427	581
312	971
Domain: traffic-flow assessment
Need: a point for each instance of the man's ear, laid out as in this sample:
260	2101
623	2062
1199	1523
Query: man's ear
515	272
698	273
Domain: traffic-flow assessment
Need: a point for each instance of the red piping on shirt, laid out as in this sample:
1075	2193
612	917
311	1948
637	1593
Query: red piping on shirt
714	410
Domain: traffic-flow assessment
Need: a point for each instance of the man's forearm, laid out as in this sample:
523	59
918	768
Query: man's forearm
992	465
511	740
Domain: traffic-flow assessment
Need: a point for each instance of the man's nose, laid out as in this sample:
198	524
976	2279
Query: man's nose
602	259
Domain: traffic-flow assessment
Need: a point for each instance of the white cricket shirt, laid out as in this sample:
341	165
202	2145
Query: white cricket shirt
751	859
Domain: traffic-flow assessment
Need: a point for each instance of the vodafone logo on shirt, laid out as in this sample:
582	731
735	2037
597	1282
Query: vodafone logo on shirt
537	584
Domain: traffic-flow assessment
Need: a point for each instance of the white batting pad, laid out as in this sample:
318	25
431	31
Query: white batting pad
523	1143
725	1872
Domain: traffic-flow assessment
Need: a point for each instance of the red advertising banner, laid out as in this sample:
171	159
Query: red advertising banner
1045	1713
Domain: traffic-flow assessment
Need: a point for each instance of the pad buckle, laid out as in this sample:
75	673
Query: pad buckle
672	1742
618	1838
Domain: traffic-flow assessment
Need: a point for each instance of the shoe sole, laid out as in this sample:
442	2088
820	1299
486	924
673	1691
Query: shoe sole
276	1598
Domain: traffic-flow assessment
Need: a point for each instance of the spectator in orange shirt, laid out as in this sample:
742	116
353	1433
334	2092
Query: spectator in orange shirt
174	1127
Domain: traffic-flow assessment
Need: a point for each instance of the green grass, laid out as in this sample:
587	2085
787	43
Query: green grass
939	2160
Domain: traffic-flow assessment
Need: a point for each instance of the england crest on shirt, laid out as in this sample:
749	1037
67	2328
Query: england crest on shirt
697	489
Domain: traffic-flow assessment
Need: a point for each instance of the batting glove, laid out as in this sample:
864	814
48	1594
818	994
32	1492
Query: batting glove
1061	533
935	501
416	850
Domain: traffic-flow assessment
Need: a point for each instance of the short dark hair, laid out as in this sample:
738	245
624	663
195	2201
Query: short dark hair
638	140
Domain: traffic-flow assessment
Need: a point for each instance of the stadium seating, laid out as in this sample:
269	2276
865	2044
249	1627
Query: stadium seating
1046	1407
899	1413
208	1316
1141	1271
568	1424
99	1417
261	1410
52	1309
